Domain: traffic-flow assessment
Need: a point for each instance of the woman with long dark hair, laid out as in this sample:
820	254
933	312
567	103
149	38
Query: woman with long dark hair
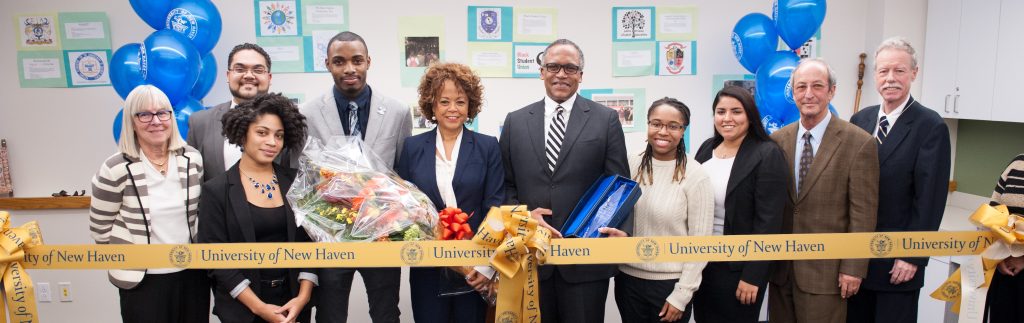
748	175
676	201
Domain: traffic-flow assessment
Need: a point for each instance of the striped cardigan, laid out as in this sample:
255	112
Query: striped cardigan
1010	187
119	212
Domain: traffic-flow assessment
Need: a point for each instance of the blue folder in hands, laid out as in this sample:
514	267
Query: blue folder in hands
607	203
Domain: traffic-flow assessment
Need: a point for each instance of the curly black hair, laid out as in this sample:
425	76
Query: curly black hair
236	121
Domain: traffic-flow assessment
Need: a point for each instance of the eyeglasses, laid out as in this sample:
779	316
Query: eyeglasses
570	69
146	116
256	70
671	127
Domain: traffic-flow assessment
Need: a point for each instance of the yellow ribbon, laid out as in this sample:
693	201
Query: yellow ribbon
520	246
1009	230
21	299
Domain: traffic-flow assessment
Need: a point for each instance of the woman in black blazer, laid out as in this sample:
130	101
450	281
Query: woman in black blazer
748	172
455	167
246	204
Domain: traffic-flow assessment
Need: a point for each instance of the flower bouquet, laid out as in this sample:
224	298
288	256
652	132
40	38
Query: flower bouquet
343	192
454	225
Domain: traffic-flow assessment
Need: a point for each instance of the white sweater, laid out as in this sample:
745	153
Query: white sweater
667	208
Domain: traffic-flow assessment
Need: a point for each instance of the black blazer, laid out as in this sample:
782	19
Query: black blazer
479	177
593	146
914	163
224	218
754	198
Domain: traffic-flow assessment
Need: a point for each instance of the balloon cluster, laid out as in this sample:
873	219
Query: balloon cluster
175	58
755	39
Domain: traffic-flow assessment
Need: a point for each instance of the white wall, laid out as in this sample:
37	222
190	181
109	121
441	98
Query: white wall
58	137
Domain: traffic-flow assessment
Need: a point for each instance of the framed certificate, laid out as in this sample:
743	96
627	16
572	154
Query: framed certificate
6	188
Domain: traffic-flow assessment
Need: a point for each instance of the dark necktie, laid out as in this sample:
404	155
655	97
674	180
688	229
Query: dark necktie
806	157
556	133
353	119
883	129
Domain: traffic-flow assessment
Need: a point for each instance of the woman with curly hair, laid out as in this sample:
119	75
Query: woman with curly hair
455	167
246	204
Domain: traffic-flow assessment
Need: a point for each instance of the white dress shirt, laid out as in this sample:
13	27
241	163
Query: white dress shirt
549	111
445	170
891	117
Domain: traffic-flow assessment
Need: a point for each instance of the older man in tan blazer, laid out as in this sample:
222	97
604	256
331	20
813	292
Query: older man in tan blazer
834	188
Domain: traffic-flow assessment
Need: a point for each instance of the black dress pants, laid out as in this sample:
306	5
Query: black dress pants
640	300
181	297
715	301
382	287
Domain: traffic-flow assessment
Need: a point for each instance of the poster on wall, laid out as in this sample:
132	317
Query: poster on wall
537	25
491	24
633	23
6	188
676	23
633	58
87	68
421	40
528	57
490	59
630	104
677	58
37	32
277	18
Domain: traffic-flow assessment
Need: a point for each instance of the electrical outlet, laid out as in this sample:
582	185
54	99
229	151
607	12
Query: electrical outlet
43	292
65	291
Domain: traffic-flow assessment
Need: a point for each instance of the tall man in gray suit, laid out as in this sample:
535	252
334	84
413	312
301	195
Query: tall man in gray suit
553	150
352	108
248	75
833	189
914	158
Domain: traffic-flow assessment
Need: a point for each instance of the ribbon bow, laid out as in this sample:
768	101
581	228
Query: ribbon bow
21	299
520	246
972	279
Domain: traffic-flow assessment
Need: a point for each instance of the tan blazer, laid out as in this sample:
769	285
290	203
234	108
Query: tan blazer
840	194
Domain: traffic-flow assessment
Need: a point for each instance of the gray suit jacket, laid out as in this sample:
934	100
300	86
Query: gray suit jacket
594	146
390	123
204	133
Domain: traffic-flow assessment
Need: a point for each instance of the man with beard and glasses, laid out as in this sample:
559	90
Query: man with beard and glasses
248	75
352	108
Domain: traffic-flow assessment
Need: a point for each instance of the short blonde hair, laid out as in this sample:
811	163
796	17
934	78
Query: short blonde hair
138	100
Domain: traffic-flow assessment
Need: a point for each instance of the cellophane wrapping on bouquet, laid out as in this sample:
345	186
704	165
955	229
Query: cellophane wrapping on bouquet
343	192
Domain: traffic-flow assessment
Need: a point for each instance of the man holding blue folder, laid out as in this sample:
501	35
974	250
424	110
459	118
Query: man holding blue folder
553	150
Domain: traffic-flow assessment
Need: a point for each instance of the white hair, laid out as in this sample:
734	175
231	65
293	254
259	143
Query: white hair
899	43
141	98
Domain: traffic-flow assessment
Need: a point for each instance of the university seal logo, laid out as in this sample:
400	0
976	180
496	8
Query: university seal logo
507	317
182	21
881	245
89	66
412	253
647	249
180	256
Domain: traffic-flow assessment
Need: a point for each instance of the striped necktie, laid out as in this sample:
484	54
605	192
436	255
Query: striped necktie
353	119
556	133
883	129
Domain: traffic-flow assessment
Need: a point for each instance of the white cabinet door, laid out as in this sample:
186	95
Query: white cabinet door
940	56
976	68
1007	103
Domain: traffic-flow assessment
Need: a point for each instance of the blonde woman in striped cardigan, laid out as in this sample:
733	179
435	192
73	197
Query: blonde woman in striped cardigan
148	193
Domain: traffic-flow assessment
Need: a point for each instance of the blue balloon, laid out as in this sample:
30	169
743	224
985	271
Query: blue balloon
207	76
118	124
183	111
198	20
153	12
171	64
126	69
774	90
832	109
798	20
753	39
